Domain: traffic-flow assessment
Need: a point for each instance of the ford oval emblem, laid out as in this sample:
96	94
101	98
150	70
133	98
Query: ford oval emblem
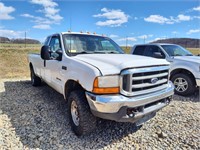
154	80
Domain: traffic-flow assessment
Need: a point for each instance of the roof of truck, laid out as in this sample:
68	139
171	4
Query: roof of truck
83	33
154	44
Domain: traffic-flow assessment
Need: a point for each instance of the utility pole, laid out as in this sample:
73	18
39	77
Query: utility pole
126	42
144	39
25	39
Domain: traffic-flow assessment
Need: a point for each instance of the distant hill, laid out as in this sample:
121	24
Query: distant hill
18	41
28	41
4	40
185	42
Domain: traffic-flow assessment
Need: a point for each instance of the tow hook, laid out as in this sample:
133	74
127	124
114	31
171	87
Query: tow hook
168	100
131	112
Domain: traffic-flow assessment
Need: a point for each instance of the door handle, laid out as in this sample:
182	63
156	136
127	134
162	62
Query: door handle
64	67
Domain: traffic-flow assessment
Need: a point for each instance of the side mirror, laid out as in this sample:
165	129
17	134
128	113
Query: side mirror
158	55
59	52
45	52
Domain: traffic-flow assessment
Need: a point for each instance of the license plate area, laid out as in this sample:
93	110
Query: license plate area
144	119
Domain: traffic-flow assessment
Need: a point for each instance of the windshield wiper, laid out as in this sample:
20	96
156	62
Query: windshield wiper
177	55
105	52
188	55
83	52
97	52
112	52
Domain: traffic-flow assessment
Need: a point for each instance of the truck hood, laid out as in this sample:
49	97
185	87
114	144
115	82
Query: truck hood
193	59
109	64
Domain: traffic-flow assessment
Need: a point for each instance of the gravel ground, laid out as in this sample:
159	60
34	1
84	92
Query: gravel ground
36	118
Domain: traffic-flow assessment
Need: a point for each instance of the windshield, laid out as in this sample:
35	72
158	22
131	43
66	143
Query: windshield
89	44
175	50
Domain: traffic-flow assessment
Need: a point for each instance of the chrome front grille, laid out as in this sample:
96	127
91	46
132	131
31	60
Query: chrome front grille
140	81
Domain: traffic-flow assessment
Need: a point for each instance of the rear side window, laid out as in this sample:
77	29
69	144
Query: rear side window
139	50
151	50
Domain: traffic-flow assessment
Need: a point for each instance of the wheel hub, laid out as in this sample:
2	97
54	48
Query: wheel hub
74	113
181	85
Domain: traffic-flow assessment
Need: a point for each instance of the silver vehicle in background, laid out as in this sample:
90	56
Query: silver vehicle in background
185	67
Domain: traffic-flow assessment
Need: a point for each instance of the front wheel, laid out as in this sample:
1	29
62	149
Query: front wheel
81	119
184	84
35	80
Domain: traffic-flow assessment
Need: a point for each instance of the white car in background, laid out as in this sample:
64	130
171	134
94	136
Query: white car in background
184	68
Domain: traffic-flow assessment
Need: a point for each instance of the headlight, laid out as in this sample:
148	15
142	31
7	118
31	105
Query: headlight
106	85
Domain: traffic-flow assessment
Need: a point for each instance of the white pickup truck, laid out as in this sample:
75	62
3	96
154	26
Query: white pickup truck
184	68
98	80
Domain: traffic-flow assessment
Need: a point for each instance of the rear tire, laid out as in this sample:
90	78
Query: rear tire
184	84
35	80
81	119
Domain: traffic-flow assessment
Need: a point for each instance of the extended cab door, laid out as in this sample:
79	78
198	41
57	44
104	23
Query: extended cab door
53	66
139	50
154	51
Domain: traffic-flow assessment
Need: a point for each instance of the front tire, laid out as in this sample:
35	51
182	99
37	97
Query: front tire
81	119
184	84
35	80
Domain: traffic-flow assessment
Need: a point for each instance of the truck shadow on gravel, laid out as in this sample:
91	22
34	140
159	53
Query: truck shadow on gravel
193	98
39	116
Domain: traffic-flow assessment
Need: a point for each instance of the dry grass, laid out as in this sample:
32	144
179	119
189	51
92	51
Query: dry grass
13	59
195	51
14	63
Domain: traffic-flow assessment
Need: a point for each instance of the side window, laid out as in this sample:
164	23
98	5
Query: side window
139	50
154	51
55	44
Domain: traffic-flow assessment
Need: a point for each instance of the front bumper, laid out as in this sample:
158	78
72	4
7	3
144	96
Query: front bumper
115	107
198	82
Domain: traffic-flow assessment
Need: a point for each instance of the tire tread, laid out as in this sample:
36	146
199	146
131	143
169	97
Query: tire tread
87	122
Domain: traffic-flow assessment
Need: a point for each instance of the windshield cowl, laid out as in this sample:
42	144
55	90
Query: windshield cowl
182	55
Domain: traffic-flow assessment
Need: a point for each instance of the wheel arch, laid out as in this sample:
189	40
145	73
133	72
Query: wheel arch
30	65
181	70
70	86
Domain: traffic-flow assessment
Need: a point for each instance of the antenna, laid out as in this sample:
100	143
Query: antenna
70	24
70	28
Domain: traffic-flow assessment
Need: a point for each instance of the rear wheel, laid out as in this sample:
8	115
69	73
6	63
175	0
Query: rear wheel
35	80
184	84
81	119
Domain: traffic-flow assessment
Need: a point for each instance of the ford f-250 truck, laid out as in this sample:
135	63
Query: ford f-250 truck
184	68
98	80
